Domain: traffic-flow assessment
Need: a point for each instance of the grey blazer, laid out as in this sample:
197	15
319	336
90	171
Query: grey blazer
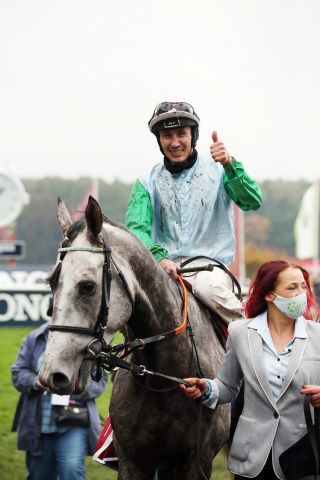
266	423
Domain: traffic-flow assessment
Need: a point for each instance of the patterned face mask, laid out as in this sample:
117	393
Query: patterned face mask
293	307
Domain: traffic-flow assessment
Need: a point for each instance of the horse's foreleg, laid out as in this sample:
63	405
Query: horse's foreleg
189	471
197	472
128	470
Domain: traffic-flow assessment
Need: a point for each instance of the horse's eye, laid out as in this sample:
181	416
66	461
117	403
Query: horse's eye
86	288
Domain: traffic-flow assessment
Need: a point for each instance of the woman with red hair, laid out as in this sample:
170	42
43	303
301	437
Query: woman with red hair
265	281
276	355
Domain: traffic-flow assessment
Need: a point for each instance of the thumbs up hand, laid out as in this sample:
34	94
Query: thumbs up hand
218	151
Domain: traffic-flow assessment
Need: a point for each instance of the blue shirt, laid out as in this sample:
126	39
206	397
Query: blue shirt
48	425
276	364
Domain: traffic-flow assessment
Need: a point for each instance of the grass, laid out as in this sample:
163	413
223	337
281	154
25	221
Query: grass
12	461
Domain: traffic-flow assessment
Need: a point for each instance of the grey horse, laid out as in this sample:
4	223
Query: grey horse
156	427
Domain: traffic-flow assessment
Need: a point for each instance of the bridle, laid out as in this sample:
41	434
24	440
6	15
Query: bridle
101	323
106	358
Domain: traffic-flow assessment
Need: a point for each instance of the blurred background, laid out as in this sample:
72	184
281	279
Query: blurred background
78	83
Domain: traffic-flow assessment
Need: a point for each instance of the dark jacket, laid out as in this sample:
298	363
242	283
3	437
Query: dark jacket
24	373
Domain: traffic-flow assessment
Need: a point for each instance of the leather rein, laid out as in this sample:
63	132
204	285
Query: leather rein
107	357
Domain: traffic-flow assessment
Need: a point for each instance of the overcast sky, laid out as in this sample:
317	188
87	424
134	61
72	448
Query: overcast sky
79	80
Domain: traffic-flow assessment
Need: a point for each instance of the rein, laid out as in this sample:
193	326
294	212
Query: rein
210	267
141	342
107	360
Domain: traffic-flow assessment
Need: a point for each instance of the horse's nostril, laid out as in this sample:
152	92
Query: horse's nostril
60	381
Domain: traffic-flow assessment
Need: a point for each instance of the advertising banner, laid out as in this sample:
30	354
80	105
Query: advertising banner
22	306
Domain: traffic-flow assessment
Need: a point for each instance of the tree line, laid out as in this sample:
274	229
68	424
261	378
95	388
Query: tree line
270	229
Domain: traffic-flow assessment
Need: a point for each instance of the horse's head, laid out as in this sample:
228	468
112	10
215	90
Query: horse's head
81	283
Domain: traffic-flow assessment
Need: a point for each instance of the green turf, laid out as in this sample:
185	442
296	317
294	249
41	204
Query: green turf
12	466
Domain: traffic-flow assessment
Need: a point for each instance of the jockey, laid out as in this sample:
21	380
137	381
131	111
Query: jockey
182	208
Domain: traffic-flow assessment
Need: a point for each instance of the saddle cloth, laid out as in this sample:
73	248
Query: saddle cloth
105	452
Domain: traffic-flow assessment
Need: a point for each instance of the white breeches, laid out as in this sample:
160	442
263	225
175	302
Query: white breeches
214	289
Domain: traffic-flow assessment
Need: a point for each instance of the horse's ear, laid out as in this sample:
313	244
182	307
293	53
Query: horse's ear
94	217
63	217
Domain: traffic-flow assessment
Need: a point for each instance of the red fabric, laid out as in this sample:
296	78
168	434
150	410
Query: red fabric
105	452
224	328
79	211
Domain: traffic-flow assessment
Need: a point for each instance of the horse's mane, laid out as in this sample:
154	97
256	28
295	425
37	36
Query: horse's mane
121	226
114	223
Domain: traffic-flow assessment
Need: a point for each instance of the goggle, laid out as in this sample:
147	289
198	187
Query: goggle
165	107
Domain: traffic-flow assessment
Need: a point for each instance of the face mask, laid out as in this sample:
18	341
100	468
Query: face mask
293	307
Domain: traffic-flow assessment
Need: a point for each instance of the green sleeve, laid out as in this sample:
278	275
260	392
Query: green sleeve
139	218
241	188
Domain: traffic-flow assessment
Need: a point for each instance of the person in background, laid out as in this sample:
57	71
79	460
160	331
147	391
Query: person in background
52	450
275	354
183	207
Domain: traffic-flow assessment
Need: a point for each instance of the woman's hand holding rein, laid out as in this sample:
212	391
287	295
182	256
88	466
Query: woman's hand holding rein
198	387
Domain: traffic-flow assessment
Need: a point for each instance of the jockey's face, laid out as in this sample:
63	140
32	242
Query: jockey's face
176	143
